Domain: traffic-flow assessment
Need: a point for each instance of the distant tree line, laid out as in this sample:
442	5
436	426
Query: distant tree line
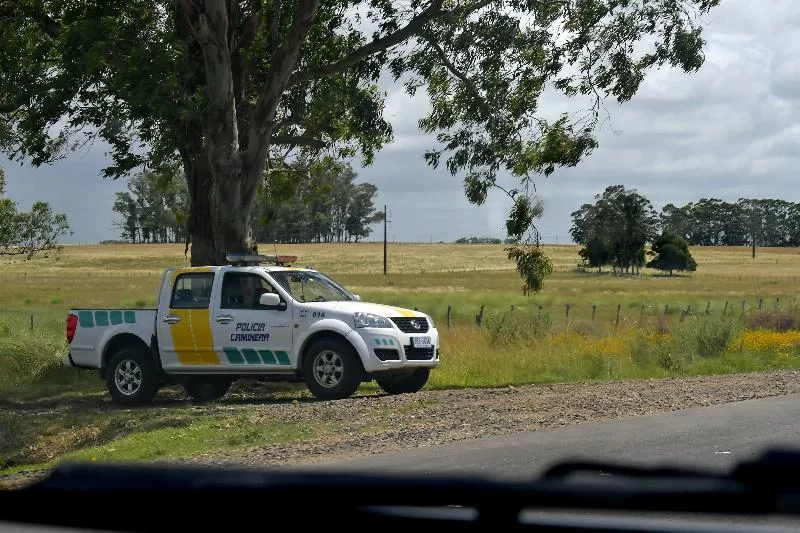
617	227
323	204
155	208
711	222
484	240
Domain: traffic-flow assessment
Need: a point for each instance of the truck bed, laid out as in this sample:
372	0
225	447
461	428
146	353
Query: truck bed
96	327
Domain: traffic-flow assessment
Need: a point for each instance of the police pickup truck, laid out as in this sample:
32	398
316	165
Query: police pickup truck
216	324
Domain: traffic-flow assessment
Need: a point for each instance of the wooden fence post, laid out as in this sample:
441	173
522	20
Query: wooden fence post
594	309
760	301
616	325
743	302
479	317
567	315
31	322
708	307
449	311
666	308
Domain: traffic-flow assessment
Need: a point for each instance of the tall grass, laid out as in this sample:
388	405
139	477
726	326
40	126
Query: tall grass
506	352
33	357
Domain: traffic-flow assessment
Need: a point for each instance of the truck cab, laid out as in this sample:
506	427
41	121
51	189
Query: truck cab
216	324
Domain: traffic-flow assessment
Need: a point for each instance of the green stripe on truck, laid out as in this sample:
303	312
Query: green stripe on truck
86	319
101	318
251	356
283	358
267	356
234	357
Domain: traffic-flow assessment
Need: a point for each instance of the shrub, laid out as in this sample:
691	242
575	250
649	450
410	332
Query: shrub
514	325
777	320
713	336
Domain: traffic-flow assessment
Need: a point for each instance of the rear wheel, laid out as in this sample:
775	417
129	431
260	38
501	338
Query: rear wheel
332	369
132	377
403	381
207	389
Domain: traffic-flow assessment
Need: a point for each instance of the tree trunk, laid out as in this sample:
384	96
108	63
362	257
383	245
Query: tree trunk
220	222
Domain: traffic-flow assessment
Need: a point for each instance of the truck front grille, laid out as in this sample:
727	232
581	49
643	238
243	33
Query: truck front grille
411	325
418	354
386	354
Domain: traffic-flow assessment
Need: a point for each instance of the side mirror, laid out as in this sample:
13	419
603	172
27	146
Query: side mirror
269	299
357	297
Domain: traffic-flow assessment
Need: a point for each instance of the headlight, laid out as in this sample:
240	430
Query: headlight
368	320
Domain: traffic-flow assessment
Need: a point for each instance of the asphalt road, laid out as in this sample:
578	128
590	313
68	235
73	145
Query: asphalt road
711	438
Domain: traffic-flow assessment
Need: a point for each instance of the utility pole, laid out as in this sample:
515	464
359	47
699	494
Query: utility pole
384	239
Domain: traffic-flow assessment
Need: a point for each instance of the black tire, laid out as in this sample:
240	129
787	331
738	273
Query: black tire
206	389
332	369
403	381
132	377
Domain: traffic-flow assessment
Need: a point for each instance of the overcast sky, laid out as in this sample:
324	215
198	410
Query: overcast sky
730	131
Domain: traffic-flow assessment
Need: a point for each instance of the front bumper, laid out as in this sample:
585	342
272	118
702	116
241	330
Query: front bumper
389	348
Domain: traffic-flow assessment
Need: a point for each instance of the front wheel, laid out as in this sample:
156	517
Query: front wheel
207	389
132	377
332	369
403	381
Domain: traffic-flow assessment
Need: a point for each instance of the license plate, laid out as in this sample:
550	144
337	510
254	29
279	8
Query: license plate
421	342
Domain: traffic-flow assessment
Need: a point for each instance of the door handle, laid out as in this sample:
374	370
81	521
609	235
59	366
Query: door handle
171	319
224	319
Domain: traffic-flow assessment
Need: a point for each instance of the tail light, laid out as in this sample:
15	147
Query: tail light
72	325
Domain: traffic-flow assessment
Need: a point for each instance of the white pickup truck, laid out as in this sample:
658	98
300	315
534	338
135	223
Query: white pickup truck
216	324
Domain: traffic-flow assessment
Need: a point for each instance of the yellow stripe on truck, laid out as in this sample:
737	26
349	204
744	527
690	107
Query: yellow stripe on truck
404	312
192	338
191	335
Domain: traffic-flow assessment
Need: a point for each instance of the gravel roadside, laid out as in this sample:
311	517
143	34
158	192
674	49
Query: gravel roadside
373	423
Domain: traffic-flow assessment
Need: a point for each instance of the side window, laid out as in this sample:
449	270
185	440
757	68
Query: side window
192	291
243	291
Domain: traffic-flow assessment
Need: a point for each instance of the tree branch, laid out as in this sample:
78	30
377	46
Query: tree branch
50	27
251	29
298	140
283	61
468	83
414	27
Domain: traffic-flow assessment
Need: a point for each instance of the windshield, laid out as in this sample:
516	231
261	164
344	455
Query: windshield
308	286
555	214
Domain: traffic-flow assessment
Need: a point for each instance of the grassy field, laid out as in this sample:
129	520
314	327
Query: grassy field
735	314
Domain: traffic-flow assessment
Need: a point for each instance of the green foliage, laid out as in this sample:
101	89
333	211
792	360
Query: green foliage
27	234
597	251
671	253
614	229
532	264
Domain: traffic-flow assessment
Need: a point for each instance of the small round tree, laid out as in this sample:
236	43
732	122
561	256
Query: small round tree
671	253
